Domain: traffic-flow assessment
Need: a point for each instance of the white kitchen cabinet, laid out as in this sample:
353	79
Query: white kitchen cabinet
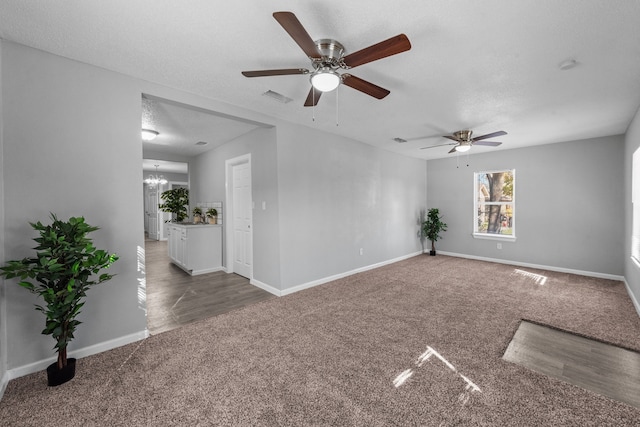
197	249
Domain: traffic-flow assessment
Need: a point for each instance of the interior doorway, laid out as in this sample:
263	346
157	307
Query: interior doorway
239	202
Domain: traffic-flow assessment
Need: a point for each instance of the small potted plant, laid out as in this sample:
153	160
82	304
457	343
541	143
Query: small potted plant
176	201
66	265
212	215
197	215
432	227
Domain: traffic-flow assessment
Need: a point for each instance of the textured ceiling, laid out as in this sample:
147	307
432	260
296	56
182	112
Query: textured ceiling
485	65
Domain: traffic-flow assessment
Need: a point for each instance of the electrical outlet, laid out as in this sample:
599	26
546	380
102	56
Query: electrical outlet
499	245
361	251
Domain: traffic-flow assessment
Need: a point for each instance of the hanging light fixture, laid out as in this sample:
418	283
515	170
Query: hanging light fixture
325	79
149	135
155	180
463	146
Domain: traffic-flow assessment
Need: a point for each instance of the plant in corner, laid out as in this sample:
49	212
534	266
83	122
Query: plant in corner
176	201
432	227
66	265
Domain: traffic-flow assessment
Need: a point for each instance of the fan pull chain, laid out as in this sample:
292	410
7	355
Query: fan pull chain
313	104
337	105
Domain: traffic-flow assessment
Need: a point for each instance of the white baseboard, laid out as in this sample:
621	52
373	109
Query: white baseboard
3	384
313	283
635	302
265	287
206	270
345	274
78	354
538	266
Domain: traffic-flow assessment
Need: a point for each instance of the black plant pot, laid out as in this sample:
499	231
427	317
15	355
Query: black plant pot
56	376
432	253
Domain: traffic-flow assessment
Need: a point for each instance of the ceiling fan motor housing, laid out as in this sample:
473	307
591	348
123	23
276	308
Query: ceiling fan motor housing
331	51
463	135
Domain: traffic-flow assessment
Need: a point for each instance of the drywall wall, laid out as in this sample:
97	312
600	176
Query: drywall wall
67	128
569	199
208	184
338	196
631	270
3	301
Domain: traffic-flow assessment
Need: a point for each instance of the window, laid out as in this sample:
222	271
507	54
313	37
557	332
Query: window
494	204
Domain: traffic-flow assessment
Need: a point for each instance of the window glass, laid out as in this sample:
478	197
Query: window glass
494	204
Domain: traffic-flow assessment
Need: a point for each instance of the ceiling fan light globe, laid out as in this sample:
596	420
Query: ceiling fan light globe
149	135
325	81
463	147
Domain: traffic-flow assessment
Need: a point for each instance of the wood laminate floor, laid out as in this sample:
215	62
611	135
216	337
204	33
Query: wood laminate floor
175	298
602	368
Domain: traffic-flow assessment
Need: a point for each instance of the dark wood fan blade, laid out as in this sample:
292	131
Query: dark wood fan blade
364	86
453	138
487	143
439	145
489	135
282	72
297	32
313	97
392	46
453	150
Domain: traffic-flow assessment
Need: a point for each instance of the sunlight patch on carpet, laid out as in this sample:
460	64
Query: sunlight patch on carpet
538	279
469	386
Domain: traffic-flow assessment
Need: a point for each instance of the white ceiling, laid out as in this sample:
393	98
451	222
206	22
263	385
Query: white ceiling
485	65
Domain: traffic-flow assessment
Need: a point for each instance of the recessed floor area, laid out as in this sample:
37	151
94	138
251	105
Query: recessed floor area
602	368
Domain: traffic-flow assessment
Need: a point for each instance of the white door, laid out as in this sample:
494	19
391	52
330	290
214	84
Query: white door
152	212
242	233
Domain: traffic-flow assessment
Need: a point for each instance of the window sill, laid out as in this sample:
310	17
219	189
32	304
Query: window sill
494	237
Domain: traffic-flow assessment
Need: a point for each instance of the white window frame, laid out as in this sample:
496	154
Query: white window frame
489	236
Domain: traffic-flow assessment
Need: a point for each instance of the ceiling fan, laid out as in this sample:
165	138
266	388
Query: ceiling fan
463	140
326	57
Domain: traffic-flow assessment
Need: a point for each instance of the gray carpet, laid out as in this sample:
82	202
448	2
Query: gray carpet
416	343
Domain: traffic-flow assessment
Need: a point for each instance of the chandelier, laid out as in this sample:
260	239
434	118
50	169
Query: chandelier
155	180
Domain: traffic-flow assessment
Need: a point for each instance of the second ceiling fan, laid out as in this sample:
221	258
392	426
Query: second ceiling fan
464	141
326	57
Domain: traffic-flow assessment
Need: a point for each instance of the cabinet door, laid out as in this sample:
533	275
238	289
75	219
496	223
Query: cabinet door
171	239
181	248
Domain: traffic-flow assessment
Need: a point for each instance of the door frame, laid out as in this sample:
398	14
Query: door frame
228	214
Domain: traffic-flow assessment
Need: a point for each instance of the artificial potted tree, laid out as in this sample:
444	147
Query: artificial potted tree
66	265
176	202
212	214
197	215
432	227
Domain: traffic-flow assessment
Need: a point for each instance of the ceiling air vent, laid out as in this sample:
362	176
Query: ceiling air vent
277	96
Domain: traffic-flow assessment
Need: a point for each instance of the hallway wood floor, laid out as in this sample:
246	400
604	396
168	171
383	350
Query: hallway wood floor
174	298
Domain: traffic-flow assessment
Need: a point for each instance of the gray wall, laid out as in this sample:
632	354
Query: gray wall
208	184
3	300
67	128
631	271
337	196
50	105
569	199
